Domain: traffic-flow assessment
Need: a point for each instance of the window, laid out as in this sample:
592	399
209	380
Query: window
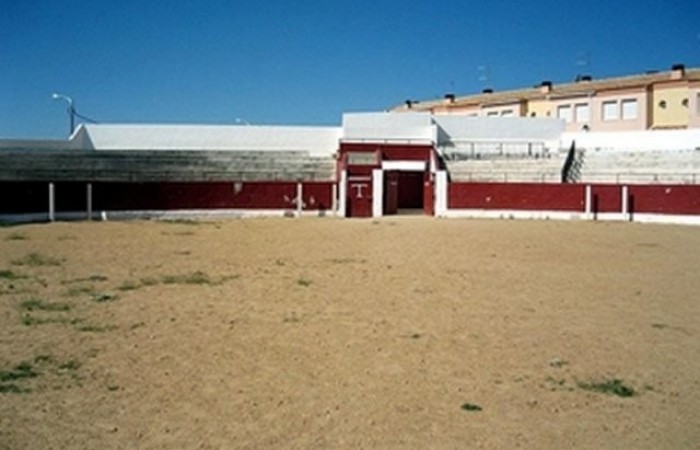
564	112
610	111
583	112
507	113
629	109
492	114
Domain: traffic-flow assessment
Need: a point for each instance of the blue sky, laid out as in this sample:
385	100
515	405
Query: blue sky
306	62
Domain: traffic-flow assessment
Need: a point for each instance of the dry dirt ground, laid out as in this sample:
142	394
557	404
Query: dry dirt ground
403	333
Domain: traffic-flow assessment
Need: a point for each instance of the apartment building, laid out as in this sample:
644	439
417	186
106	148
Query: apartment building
654	100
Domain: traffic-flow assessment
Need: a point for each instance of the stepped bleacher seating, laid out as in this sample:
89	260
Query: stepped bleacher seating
163	165
502	162
641	167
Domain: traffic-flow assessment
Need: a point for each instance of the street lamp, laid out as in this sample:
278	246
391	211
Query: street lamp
242	121
70	110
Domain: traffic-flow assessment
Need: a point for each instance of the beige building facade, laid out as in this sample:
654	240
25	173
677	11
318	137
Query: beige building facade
659	100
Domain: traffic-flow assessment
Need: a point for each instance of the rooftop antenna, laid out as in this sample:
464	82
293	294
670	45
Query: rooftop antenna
484	76
583	64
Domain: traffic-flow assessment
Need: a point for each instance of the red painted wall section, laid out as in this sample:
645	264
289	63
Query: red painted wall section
679	199
18	197
391	152
519	196
317	196
606	198
163	196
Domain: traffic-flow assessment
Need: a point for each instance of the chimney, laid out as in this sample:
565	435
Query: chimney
450	98
409	104
546	87
677	71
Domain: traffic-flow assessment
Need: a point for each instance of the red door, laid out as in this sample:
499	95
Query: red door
359	196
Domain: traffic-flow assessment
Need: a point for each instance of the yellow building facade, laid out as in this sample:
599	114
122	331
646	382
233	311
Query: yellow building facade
659	100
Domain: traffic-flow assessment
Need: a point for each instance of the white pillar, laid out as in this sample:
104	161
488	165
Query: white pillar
440	193
52	203
89	201
589	201
343	194
300	198
377	193
625	202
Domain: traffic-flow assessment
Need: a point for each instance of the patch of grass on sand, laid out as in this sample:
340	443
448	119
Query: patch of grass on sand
76	291
128	285
10	275
197	277
29	320
95	328
37	260
304	282
69	365
21	370
471	407
90	279
191	278
347	261
103	297
613	386
37	304
16	237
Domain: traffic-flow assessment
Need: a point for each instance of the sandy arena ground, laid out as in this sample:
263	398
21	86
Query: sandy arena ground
336	334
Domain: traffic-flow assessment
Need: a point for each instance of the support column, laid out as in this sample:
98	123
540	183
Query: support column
377	193
343	194
440	193
589	201
300	198
625	202
52	202
89	201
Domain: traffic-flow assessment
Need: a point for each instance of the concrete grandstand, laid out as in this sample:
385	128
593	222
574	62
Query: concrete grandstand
374	164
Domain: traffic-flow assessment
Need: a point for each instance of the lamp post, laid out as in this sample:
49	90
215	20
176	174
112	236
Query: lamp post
70	110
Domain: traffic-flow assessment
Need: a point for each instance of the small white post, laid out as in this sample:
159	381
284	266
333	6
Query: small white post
377	193
343	193
440	193
625	203
300	201
89	201
589	201
52	203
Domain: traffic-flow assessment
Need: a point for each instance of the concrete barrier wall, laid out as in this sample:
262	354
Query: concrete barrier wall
31	197
516	196
606	199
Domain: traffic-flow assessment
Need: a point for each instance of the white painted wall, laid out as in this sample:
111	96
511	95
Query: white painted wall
456	127
388	127
634	140
320	141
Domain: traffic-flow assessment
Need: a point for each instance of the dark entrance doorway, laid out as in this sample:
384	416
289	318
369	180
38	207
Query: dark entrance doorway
403	192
